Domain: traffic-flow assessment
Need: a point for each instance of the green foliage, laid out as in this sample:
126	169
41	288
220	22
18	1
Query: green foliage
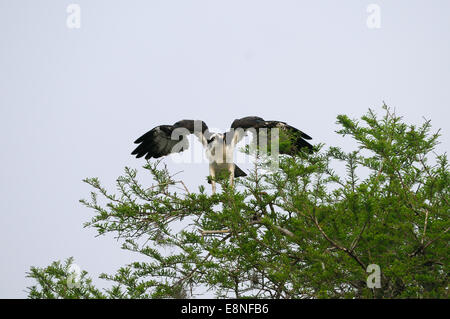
303	231
58	281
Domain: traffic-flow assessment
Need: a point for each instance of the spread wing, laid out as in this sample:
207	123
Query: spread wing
166	139
291	139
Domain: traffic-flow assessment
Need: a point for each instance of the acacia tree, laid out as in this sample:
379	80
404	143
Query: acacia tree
302	231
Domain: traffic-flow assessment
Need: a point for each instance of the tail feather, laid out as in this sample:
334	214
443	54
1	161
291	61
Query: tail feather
238	172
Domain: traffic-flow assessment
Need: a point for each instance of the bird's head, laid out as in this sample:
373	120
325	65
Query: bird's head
215	138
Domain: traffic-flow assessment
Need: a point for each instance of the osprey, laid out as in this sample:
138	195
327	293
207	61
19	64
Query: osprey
167	139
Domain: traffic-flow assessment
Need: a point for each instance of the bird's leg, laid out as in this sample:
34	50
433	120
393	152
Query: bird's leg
212	173
231	170
213	184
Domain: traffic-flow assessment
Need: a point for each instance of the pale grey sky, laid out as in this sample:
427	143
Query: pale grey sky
72	101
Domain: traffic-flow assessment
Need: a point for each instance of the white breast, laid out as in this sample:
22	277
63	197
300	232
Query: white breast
219	152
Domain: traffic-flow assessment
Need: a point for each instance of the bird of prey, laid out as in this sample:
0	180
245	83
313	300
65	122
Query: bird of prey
167	139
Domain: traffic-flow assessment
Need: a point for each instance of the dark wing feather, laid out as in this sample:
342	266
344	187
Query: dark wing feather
164	139
239	126
297	137
155	143
247	122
